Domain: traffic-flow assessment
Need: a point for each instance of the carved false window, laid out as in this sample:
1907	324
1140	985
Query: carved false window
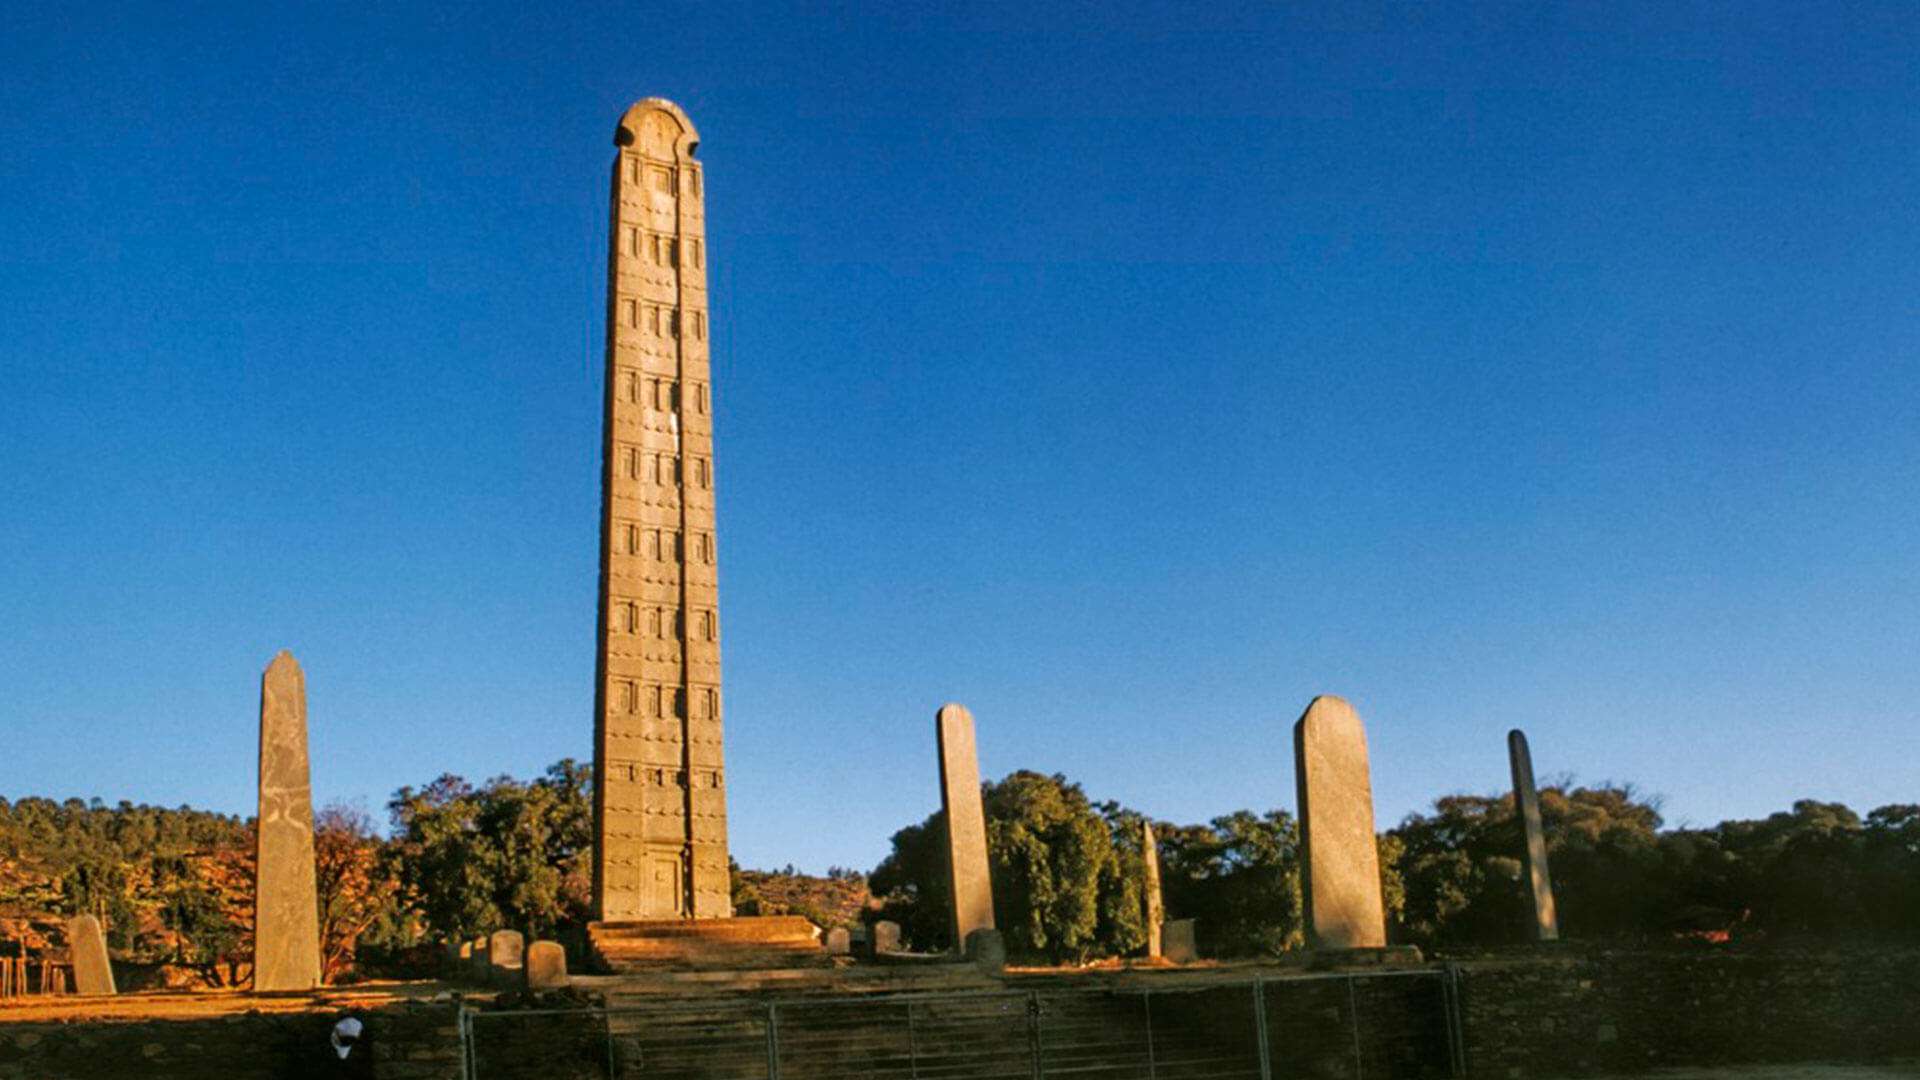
653	321
713	707
696	246
653	622
630	312
706	625
633	539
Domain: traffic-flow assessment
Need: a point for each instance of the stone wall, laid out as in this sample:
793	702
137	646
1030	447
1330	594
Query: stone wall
410	1042
1569	1011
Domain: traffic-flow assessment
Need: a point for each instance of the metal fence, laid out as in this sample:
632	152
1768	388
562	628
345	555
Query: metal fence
1389	1025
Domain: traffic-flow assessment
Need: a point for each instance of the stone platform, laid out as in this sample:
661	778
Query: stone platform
765	941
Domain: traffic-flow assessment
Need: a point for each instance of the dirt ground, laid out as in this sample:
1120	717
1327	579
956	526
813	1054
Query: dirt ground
1899	1070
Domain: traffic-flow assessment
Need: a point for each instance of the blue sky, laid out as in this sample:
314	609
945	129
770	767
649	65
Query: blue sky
1129	374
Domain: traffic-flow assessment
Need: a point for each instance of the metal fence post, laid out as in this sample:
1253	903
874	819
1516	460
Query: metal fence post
913	1049
1146	1003
1353	1015
773	1041
1033	1033
1260	1027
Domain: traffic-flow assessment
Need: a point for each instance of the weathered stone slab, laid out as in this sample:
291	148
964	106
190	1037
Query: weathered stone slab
506	956
1526	797
886	937
966	824
1156	910
987	949
838	942
547	966
477	963
1178	941
92	970
1340	868
286	916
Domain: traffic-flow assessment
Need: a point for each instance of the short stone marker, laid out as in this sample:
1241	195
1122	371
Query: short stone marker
286	914
837	941
886	937
1526	797
477	964
92	970
987	949
1156	910
1178	942
506	957
967	875
547	966
1340	870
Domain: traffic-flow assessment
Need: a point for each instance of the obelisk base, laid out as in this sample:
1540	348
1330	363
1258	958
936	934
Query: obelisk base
739	943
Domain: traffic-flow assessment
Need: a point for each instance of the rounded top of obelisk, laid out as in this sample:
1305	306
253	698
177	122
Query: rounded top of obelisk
656	112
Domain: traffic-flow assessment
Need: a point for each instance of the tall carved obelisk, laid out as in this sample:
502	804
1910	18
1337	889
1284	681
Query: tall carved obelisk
660	811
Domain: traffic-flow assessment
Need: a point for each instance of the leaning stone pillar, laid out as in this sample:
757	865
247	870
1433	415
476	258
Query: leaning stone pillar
966	825
286	916
1526	798
1340	861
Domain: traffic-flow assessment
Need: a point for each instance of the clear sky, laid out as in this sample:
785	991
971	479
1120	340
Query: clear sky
1129	375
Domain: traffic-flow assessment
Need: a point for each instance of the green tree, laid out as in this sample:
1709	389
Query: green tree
507	855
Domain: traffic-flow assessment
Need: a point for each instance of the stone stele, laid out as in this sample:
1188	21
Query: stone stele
92	971
286	939
1156	909
1179	942
506	955
966	824
659	773
546	966
1546	920
886	937
1340	873
837	941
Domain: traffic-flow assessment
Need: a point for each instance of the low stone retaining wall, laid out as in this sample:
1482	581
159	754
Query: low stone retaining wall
1568	1011
409	1042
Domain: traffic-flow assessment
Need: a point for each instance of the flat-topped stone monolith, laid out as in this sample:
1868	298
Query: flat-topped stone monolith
87	944
987	949
286	915
967	875
886	937
1340	868
506	956
837	941
478	966
1179	942
547	966
1156	908
1526	797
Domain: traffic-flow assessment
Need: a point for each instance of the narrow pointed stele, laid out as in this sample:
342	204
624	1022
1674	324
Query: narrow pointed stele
1156	907
967	875
1526	798
286	917
1340	862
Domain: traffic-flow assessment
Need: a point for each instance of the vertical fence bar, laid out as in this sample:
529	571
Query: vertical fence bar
1146	1003
1260	1028
606	1028
1353	1014
467	1067
1456	1026
913	1048
773	1041
1033	1033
